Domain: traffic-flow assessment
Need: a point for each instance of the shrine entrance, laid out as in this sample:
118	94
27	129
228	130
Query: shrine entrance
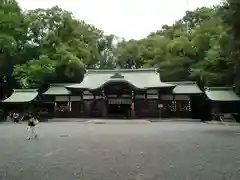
119	108
119	99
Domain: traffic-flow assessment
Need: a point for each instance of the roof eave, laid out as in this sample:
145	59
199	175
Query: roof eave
23	101
73	87
117	80
56	94
195	93
159	87
237	100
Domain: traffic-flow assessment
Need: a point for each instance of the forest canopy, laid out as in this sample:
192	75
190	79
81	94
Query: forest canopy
43	46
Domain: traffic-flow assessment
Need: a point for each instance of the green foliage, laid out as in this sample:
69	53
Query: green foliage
12	40
11	28
50	45
69	45
231	15
196	47
33	73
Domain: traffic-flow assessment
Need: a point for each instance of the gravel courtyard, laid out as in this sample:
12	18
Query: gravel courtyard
150	151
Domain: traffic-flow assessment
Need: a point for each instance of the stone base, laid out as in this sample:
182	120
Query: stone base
117	121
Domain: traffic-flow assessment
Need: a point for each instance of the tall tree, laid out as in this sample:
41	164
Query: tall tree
106	50
231	13
199	53
12	39
68	45
50	45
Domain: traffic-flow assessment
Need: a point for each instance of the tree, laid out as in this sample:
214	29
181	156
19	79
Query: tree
129	54
106	58
231	15
69	45
34	73
63	47
199	53
12	39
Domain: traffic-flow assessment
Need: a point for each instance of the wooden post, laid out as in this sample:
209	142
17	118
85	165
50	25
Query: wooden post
69	105
133	105
81	102
159	104
104	104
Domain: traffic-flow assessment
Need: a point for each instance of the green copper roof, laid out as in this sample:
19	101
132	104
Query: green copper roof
22	95
139	78
187	87
221	94
57	89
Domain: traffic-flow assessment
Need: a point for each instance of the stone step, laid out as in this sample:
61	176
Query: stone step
117	121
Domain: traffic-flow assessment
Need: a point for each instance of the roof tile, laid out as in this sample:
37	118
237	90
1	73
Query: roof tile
139	78
22	95
221	94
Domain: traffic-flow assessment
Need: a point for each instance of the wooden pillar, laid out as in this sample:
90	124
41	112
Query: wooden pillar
55	107
145	104
69	104
81	103
160	105
104	104
133	105
175	104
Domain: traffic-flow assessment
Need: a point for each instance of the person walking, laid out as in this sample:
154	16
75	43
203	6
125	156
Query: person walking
32	123
16	117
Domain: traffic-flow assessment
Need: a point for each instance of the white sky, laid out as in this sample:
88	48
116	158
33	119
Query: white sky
124	18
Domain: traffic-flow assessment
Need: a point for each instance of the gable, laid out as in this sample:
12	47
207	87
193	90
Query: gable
138	78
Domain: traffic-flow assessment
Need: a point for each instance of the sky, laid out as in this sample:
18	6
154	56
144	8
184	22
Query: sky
129	19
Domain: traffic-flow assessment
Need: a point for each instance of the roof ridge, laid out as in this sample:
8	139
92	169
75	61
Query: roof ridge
92	71
218	88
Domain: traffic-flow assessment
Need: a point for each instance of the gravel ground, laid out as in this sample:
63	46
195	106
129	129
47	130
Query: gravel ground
155	151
